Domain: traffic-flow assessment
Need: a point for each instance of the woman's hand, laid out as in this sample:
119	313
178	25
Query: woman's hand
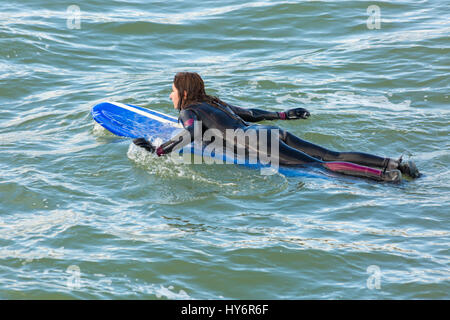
141	142
297	113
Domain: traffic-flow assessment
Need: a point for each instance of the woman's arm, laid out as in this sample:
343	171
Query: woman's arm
187	118
255	115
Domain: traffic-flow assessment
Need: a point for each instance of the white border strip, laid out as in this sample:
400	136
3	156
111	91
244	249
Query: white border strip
146	114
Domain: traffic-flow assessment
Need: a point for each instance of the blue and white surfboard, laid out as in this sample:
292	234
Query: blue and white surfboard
136	122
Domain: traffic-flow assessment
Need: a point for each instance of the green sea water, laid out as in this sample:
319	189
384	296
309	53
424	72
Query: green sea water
86	215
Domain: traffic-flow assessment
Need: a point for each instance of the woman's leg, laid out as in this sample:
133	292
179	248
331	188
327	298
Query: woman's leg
324	154
289	156
406	167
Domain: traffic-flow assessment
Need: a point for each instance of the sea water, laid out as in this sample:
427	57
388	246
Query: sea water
87	215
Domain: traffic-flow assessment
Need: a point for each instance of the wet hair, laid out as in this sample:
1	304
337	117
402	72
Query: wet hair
193	84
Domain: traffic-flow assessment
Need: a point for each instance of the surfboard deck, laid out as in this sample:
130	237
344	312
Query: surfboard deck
136	122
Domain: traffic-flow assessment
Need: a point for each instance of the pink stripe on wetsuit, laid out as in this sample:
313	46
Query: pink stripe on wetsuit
188	122
351	167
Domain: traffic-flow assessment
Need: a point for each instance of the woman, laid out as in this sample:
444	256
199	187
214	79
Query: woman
190	99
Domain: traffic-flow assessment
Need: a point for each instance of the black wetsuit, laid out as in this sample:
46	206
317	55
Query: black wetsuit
292	150
285	149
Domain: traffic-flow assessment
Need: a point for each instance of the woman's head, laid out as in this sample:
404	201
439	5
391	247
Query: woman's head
187	88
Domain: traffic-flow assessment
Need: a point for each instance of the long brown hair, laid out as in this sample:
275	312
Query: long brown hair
193	84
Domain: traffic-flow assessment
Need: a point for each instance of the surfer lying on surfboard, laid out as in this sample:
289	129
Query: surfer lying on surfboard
195	106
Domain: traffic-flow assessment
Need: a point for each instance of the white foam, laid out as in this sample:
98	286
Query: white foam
98	130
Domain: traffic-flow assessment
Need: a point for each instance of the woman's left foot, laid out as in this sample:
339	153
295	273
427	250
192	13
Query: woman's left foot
409	168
